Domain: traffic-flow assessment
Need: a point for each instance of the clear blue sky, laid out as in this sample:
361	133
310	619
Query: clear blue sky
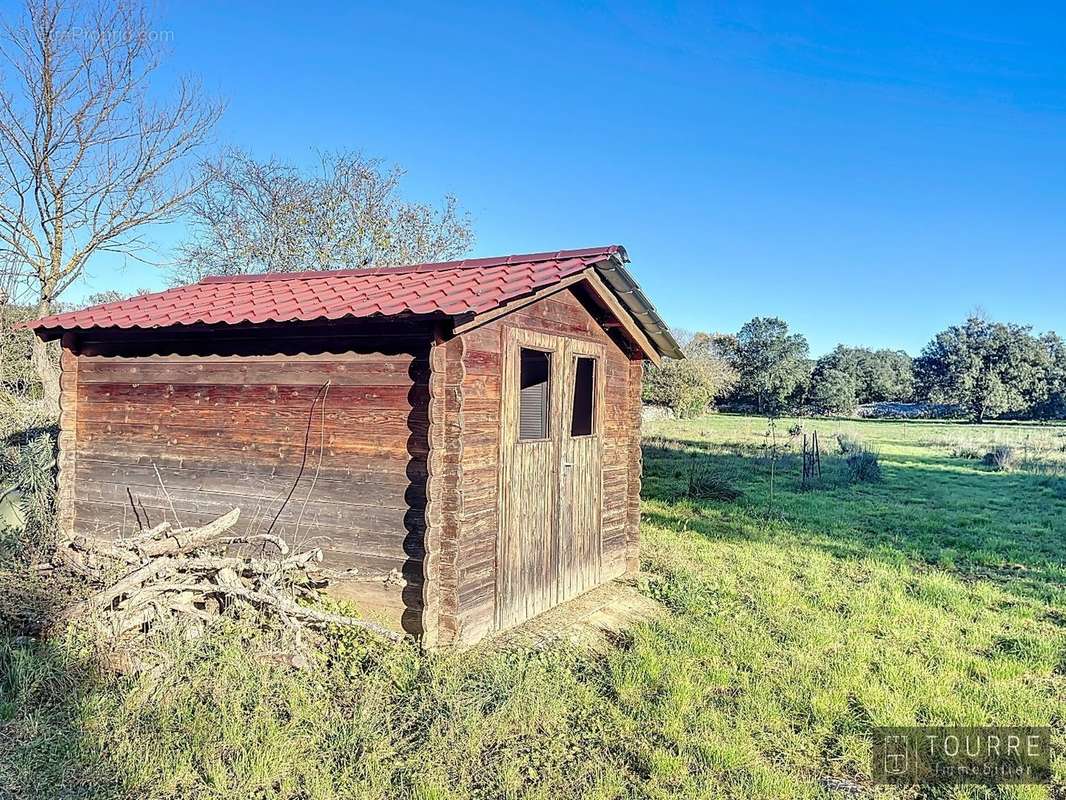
868	175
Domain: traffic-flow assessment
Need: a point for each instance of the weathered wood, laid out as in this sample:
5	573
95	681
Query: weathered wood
510	308
225	416
607	297
342	486
435	492
401	540
444	512
193	397
338	419
287	606
632	552
246	437
66	458
580	479
561	312
196	370
527	548
550	503
323	506
257	456
400	468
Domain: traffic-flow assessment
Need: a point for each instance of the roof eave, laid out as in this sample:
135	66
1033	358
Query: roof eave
614	273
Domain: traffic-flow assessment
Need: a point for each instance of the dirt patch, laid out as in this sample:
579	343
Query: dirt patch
592	620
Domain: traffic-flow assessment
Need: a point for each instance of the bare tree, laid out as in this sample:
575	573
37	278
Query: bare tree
87	159
267	216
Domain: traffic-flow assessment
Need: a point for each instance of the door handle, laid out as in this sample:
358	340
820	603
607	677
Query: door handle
567	465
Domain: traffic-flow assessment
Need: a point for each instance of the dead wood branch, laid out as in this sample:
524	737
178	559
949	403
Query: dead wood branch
277	541
192	575
283	604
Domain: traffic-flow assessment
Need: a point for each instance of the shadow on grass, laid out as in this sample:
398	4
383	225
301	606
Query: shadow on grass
45	749
927	511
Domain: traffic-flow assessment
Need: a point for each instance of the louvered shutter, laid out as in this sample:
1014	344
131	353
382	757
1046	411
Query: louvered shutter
534	400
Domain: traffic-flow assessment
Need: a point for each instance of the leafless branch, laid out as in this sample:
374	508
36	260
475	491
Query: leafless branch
88	157
267	216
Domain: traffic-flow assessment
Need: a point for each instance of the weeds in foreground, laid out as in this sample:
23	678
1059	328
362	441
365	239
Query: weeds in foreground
966	451
762	682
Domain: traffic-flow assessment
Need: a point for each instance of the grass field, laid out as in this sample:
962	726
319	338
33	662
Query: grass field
936	595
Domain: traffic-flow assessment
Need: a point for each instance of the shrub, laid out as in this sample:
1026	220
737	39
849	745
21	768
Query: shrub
27	474
685	386
706	483
1001	458
864	466
17	373
796	430
848	444
679	386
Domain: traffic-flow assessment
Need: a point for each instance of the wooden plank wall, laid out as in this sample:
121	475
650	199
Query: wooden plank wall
566	313
226	417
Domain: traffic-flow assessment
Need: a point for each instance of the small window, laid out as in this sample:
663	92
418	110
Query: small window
533	401
584	399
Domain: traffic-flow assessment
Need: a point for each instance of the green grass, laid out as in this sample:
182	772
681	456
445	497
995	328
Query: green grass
935	595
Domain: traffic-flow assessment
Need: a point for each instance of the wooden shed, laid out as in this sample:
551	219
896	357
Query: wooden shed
462	439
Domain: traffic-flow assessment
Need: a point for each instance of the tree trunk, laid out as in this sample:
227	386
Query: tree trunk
46	365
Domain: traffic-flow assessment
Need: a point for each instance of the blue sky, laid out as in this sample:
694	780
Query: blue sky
868	175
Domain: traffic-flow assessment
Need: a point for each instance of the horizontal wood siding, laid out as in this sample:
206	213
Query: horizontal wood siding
193	423
566	313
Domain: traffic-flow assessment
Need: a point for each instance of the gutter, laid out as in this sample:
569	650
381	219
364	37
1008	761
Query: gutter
614	274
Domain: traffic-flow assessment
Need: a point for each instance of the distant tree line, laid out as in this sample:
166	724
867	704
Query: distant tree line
983	369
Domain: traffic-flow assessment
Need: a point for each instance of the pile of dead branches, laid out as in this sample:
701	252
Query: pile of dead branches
192	576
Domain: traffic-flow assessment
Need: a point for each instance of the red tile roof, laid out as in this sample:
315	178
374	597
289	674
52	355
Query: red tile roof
450	287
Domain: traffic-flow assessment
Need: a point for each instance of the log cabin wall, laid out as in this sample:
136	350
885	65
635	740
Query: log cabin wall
227	416
444	496
636	465
567	313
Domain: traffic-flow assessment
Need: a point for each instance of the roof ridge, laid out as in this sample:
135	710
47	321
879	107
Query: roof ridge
433	266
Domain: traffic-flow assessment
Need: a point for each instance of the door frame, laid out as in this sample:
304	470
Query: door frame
564	352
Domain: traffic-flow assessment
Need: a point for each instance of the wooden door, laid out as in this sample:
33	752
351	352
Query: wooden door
580	469
550	476
527	558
